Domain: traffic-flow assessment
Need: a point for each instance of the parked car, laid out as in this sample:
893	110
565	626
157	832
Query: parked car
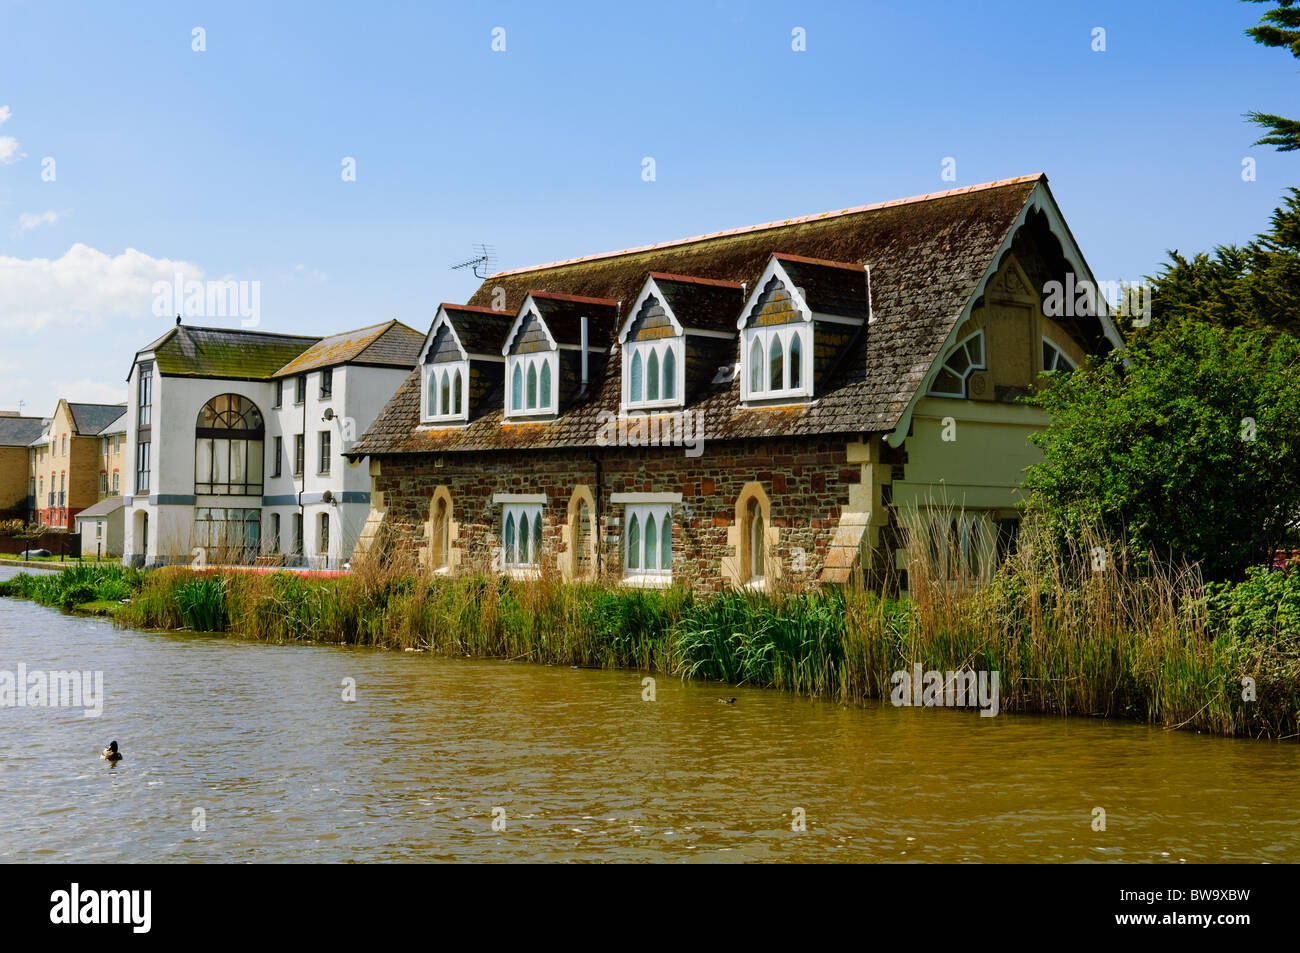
34	553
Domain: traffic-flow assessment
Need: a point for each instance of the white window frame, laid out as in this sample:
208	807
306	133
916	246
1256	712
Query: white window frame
431	410
660	347
786	333
521	511
534	360
971	367
659	574
1060	356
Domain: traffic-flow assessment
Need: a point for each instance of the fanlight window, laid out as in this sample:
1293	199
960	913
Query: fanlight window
652	373
531	388
776	361
1054	358
648	540
965	359
521	535
228	446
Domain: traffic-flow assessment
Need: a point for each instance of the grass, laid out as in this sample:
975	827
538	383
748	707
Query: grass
1066	638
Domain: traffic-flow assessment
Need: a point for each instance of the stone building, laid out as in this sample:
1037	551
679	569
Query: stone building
741	406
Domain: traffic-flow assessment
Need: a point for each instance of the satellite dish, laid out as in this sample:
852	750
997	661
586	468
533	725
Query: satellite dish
327	496
329	414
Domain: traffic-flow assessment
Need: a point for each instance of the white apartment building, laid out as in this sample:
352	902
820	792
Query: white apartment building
235	442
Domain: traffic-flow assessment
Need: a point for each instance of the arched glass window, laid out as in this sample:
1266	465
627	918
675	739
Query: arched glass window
582	541
531	403
458	387
757	542
776	372
796	362
1054	358
756	366
537	536
545	400
228	445
670	375
652	377
517	389
634	378
651	543
966	358
633	543
444	404
432	396
510	539
666	545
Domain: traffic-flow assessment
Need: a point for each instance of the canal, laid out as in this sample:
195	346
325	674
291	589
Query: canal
238	751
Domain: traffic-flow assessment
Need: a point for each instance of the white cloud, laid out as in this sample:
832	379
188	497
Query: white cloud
85	286
8	144
88	391
30	220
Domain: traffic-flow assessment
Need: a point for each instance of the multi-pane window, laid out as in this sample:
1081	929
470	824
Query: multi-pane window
103	481
228	534
116	484
777	361
323	536
654	373
521	535
228	447
323	465
144	393
300	388
531	383
277	461
297	534
648	540
279	394
327	383
966	358
1054	358
275	532
298	452
142	467
445	388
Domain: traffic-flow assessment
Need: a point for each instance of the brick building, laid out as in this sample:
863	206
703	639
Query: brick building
16	435
737	407
65	462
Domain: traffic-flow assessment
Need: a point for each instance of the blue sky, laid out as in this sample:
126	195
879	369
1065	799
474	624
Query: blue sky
229	160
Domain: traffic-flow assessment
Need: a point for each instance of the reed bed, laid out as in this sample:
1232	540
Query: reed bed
1078	630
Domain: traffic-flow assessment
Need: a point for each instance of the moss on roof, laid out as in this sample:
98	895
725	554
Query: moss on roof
226	352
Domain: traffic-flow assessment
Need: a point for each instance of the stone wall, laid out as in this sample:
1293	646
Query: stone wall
808	483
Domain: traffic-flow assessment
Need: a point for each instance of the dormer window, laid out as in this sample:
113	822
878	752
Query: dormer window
777	362
530	389
446	391
1054	358
799	302
966	358
654	373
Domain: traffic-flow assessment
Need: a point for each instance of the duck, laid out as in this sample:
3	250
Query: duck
726	701
111	753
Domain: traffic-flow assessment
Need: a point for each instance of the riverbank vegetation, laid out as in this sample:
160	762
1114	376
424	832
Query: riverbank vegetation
1088	630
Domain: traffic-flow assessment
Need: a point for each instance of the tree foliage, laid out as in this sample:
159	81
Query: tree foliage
1278	28
1254	287
1187	444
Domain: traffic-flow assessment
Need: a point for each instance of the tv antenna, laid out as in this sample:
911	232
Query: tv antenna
484	260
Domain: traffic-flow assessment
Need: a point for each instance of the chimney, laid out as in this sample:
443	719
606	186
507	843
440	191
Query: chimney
584	354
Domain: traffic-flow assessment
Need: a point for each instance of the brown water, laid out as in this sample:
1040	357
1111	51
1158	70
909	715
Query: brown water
285	770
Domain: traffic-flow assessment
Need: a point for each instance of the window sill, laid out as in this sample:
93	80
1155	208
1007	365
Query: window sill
648	581
523	572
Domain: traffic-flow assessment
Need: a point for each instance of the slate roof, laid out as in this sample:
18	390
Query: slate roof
563	314
236	354
115	427
829	287
480	330
927	255
20	431
90	419
106	506
390	344
702	304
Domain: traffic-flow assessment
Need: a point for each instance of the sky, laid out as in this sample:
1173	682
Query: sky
212	140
